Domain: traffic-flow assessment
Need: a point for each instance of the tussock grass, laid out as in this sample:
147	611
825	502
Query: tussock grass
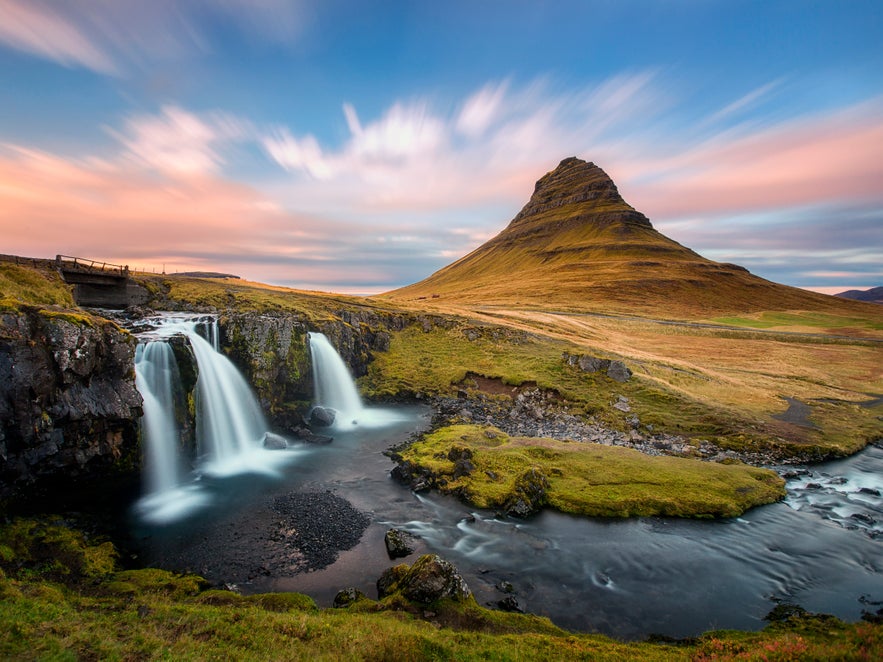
591	479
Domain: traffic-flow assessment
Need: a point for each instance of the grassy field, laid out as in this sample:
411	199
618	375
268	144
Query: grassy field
699	382
61	598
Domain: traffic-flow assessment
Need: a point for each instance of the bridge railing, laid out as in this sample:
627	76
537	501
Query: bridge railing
72	263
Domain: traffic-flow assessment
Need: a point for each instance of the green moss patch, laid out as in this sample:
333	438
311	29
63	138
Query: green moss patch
586	479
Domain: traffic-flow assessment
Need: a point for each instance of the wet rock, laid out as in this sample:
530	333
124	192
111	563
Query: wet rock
399	543
274	442
430	578
869	490
506	587
322	417
348	596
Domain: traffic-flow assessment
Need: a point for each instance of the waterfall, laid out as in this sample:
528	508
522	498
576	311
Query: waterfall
156	374
229	424
230	427
336	390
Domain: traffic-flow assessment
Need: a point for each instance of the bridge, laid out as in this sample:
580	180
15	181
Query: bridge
100	284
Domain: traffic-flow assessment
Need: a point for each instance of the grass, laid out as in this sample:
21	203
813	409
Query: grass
223	294
31	286
589	479
805	321
688	381
155	614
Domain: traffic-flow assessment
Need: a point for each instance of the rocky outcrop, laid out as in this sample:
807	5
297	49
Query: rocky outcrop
69	408
273	352
431	578
616	370
399	543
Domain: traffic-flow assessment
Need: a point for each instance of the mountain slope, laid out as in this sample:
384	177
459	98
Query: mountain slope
873	295
577	245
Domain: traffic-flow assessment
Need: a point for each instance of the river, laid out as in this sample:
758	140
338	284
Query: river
821	548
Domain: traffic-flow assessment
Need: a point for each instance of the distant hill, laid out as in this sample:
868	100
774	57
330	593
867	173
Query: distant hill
577	245
872	295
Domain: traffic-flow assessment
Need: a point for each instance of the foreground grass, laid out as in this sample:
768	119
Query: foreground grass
60	600
588	479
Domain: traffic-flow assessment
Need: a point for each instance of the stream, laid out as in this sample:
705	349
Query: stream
821	548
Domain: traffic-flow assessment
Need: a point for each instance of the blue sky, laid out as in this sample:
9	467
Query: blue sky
357	147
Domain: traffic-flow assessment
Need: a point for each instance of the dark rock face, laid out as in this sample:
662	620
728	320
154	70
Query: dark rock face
68	402
431	578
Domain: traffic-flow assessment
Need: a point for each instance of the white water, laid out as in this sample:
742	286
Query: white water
336	390
230	428
156	374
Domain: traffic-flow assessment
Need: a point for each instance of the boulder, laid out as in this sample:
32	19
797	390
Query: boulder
399	543
322	417
529	495
430	578
618	371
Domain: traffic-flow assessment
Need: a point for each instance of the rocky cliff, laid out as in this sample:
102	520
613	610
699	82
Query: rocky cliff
272	351
69	408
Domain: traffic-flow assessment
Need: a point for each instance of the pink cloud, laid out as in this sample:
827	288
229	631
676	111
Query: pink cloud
52	205
803	162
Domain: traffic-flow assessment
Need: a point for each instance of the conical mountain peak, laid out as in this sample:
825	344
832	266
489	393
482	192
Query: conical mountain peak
577	245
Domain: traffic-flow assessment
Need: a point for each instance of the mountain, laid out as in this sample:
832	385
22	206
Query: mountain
577	245
872	295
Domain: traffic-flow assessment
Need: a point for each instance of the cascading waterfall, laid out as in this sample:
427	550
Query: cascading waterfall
230	427
156	374
336	390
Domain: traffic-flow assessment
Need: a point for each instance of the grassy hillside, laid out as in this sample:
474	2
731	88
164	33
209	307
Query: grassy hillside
578	246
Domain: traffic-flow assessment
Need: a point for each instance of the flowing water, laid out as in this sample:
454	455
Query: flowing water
822	548
230	427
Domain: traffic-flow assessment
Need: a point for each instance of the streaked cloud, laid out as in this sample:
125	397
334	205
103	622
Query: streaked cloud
409	190
110	37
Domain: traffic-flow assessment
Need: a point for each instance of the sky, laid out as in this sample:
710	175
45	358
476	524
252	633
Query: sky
356	146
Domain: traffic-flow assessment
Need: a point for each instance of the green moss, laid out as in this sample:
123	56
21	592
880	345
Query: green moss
51	548
154	580
589	479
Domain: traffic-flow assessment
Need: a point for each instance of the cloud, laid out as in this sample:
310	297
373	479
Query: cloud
480	110
416	187
33	28
110	37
